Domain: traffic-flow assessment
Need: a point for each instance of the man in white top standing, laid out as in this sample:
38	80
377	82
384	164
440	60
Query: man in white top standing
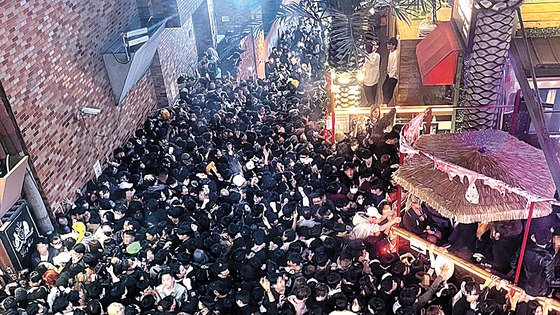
392	71
371	75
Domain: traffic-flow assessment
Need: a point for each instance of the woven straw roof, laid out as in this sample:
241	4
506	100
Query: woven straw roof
489	152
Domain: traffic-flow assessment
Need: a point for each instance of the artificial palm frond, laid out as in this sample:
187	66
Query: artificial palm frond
294	10
350	23
349	35
398	7
254	26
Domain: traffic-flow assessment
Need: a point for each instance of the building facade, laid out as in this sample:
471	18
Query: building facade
51	65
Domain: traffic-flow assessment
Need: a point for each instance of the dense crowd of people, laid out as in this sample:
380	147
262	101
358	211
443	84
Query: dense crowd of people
237	201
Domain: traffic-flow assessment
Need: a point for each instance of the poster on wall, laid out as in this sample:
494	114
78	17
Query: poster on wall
18	235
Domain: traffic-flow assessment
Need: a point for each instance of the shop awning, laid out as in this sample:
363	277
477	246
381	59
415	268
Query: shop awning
437	56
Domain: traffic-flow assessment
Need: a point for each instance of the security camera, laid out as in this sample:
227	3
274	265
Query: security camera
90	111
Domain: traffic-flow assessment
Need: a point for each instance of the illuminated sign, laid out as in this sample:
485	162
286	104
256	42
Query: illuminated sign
465	13
462	17
346	89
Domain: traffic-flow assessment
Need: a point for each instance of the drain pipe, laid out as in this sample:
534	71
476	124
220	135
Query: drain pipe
35	201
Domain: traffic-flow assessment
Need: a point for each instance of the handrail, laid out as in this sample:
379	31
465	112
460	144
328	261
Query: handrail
413	109
470	267
535	107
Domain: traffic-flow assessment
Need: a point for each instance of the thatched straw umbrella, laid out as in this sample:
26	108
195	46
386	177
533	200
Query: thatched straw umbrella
493	153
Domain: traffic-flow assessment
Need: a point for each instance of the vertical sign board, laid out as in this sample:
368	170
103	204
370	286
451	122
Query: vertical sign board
342	122
97	171
462	18
18	236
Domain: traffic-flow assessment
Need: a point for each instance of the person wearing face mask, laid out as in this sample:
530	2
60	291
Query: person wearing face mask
360	202
304	157
348	177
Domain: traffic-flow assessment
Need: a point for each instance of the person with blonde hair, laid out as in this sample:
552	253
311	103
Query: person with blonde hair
434	310
115	309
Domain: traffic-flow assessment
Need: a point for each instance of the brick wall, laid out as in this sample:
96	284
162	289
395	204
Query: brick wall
203	28
50	64
159	82
239	16
177	55
186	9
212	16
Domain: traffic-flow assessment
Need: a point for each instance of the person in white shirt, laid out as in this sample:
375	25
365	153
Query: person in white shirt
170	287
371	75
392	71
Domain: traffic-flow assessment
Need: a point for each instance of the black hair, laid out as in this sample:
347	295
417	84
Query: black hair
340	301
472	287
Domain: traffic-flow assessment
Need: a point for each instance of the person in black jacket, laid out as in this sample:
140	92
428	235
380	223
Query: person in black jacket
468	303
44	253
538	266
417	221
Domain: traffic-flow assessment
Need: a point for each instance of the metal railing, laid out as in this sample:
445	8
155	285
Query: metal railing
470	267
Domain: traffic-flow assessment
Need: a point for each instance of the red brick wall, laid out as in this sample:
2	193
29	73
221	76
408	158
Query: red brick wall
177	54
51	64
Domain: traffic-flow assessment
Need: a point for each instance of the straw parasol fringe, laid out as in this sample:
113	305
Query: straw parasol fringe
489	152
487	216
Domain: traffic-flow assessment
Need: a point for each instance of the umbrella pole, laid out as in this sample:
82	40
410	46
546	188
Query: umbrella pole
333	115
399	200
524	244
399	188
